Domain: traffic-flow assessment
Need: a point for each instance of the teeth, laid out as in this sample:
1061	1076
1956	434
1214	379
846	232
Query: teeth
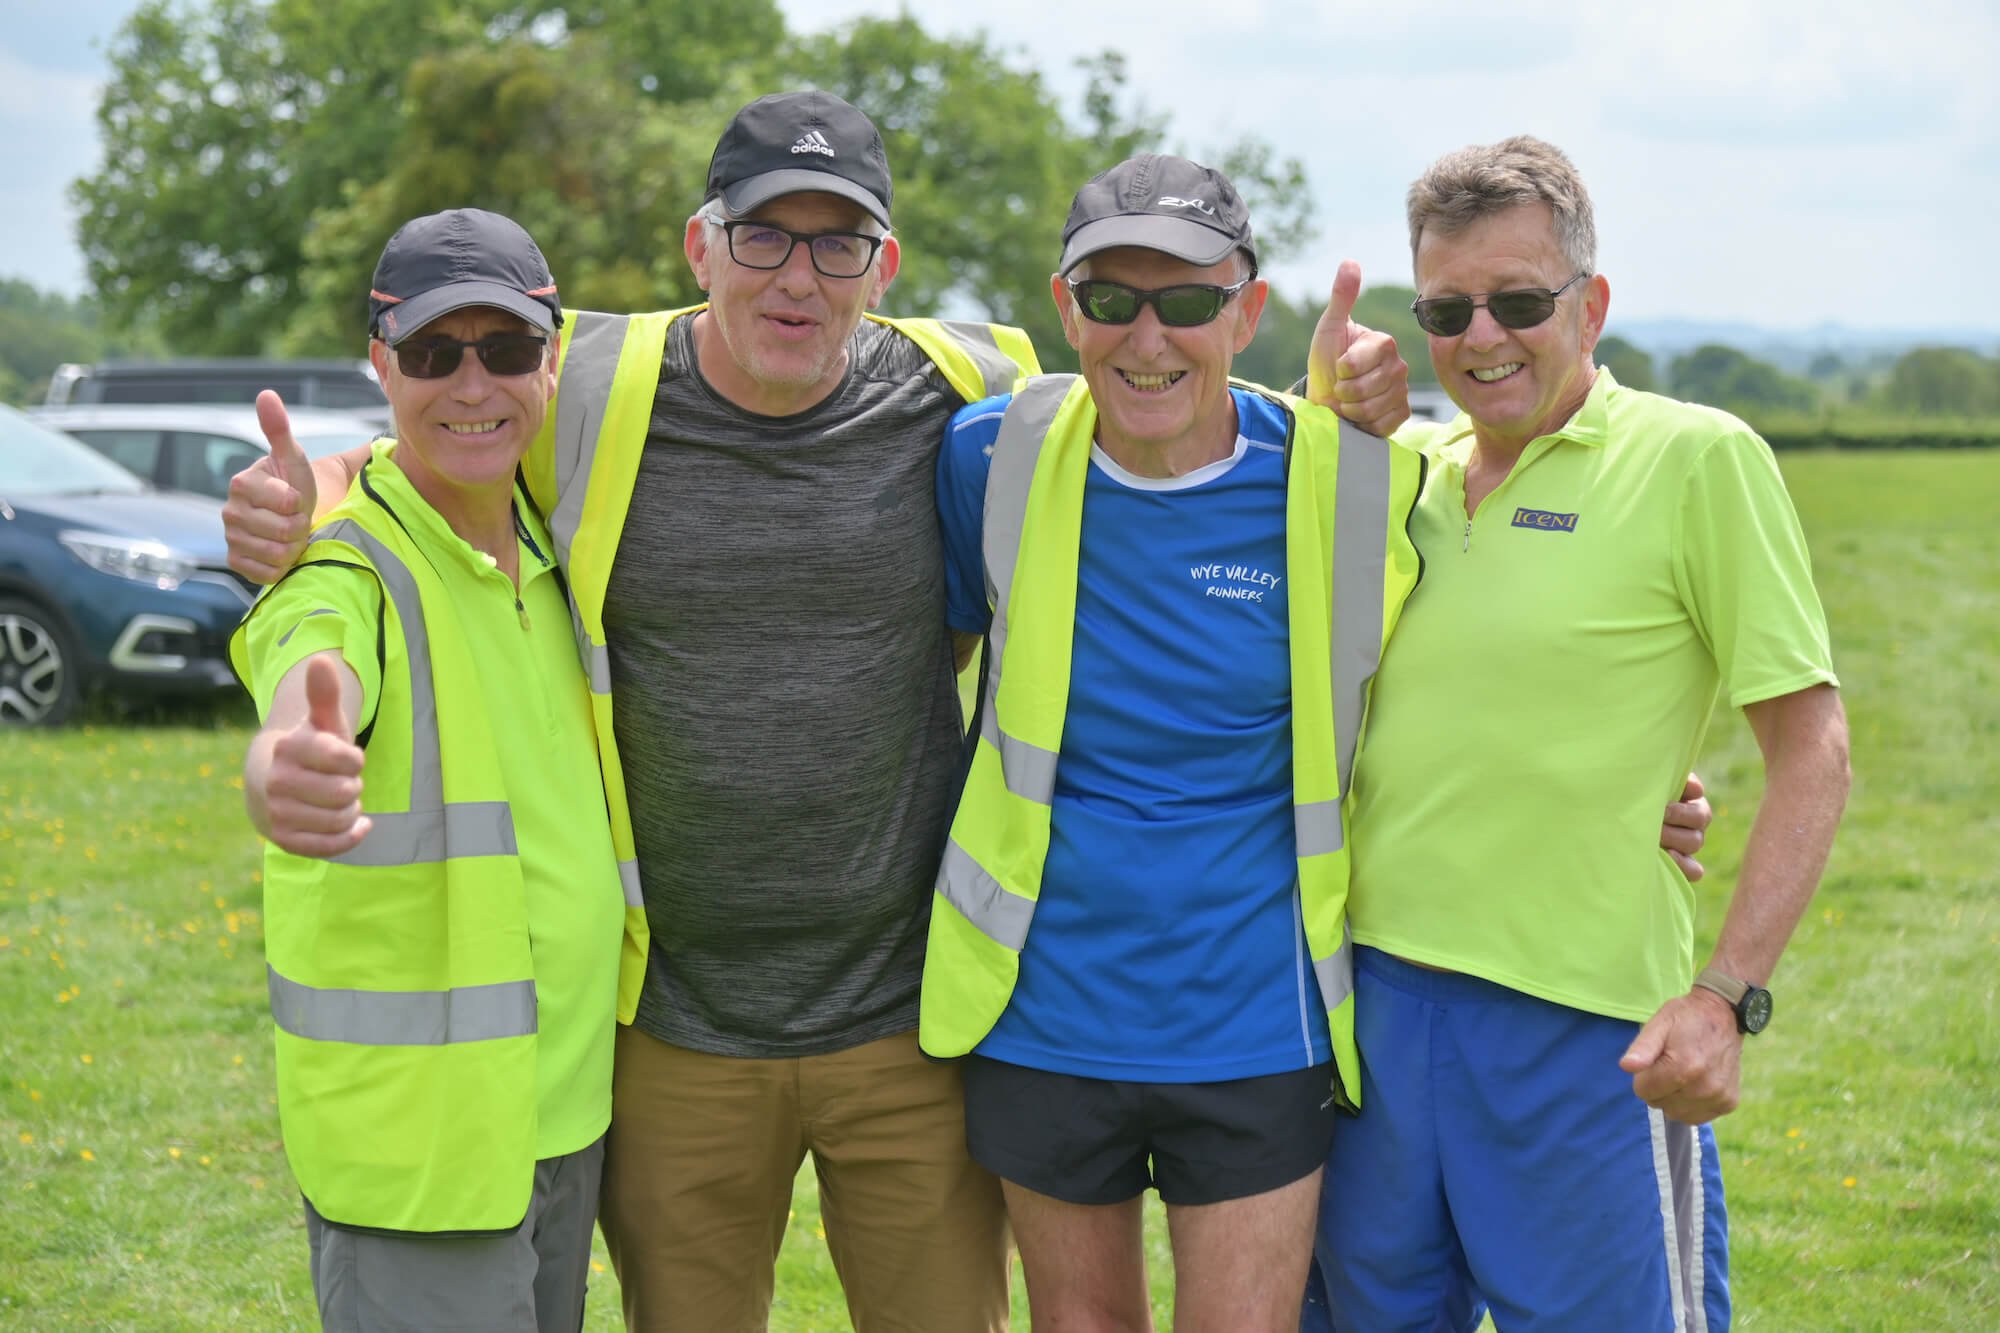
471	427
1493	373
1162	380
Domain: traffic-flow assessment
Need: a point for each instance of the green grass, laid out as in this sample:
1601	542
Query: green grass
142	1185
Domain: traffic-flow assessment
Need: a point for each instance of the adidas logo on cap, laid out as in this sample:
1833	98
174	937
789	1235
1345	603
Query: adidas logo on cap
812	141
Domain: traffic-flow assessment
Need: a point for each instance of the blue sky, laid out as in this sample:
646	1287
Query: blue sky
1782	164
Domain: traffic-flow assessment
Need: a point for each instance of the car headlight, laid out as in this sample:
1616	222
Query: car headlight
133	558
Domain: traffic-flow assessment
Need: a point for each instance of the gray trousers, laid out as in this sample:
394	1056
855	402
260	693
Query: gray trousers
531	1280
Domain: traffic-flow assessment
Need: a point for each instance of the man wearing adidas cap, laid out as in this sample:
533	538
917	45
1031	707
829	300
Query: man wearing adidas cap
741	495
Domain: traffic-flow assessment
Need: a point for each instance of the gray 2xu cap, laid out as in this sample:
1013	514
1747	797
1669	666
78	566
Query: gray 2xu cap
461	257
790	143
1156	202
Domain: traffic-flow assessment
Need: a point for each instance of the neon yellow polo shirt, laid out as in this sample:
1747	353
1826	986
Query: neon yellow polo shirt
1548	687
539	704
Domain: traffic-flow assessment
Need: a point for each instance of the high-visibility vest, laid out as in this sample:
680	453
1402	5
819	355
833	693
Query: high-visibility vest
584	463
1351	565
400	973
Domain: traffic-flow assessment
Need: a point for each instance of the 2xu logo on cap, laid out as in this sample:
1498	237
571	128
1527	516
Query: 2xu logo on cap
1544	518
1170	201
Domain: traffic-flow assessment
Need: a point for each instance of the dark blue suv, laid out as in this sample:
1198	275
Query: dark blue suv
105	583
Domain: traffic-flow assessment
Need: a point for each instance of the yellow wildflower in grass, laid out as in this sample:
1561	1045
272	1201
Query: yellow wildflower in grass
34	1094
85	1057
205	1161
1791	1133
86	1154
236	1059
1847	1182
205	771
174	1153
26	1138
596	1267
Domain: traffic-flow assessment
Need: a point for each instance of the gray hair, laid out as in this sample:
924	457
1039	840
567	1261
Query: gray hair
1477	182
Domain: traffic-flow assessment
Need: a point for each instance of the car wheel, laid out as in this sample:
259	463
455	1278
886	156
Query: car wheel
39	667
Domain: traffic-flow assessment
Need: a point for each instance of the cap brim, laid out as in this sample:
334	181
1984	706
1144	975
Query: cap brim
413	314
756	191
1173	236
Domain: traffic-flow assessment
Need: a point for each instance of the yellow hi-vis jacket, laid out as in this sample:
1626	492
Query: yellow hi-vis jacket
1351	565
582	466
401	976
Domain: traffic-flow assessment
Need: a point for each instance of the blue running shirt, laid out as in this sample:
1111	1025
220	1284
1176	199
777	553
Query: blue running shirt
1167	945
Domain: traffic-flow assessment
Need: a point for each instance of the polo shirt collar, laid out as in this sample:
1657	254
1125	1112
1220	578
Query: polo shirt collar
429	527
1591	425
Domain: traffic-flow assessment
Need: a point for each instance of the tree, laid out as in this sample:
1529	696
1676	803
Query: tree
1277	357
1630	365
1943	381
1725	377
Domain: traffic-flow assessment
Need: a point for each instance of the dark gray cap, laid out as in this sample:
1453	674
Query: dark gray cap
461	257
1156	202
788	143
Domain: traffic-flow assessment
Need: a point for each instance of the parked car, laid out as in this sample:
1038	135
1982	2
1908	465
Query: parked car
197	446
105	582
348	386
1430	403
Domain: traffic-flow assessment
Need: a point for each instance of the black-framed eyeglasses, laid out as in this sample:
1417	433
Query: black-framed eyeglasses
836	254
1517	308
500	353
1182	307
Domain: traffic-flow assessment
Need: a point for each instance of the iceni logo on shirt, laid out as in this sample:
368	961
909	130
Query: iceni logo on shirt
1234	583
1544	518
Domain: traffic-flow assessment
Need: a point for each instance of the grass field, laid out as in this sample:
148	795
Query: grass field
142	1185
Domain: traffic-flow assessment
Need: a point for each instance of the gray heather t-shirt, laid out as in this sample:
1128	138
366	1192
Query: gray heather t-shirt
785	707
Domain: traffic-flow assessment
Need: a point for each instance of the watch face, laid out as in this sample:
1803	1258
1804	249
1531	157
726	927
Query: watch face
1756	1009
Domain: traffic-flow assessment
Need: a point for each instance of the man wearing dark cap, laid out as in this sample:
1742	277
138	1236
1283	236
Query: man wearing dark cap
742	497
1185	584
443	945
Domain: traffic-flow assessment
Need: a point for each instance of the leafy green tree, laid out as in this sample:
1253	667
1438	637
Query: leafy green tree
1630	365
1277	357
1726	377
41	330
1943	381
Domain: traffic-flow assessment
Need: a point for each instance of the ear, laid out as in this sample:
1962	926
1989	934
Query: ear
1596	307
887	264
1065	307
695	243
1250	309
378	357
554	356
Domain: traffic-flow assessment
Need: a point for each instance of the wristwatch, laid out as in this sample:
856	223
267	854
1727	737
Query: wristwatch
1751	1003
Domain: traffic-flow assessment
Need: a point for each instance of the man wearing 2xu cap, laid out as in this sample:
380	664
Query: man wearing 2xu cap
742	497
443	946
1185	584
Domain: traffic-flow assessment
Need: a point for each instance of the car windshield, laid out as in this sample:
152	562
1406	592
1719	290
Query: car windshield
318	444
35	460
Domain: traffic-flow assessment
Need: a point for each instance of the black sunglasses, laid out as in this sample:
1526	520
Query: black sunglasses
1181	307
501	353
836	254
1521	308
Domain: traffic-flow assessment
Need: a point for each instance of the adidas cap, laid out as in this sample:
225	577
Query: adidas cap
1154	202
789	143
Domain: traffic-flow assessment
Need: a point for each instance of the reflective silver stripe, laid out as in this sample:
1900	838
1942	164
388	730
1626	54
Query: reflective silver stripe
583	397
428	831
421	837
1664	1164
1360	563
1335	972
1317	826
1024	428
977	340
403	1018
628	877
981	899
1030	771
323	611
596	657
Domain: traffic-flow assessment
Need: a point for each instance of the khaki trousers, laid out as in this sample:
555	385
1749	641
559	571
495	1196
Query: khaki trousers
699	1166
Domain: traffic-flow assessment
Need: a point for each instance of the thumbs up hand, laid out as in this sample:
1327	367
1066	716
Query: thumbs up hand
269	511
1354	369
312	786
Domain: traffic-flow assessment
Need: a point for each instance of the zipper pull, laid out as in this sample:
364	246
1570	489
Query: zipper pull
522	611
1468	535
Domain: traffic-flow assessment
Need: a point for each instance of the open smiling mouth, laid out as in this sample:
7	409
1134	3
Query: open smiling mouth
1494	374
1155	383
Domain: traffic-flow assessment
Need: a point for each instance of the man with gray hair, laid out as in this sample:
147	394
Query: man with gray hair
1540	1057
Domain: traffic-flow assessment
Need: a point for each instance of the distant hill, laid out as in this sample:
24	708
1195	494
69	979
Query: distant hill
1794	350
